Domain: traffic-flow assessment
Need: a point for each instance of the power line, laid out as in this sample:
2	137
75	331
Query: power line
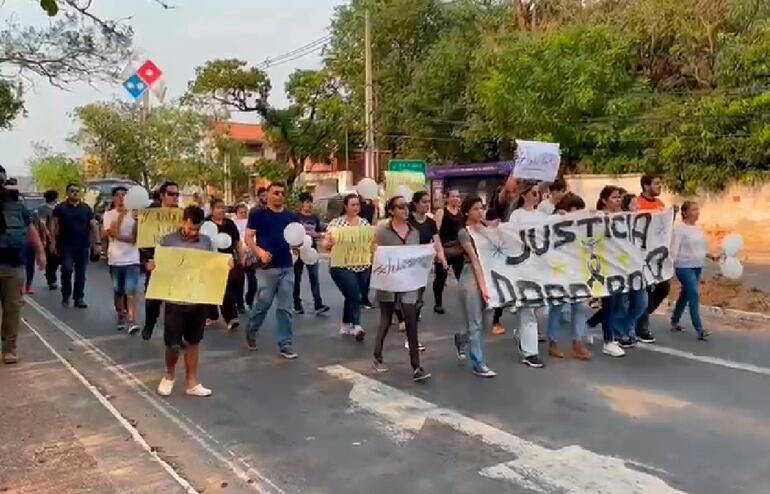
296	53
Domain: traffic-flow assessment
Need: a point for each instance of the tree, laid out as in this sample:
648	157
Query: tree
54	170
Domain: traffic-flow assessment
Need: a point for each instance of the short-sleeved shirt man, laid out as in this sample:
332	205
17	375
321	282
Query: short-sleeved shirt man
312	225
269	226
74	224
645	204
120	253
13	257
45	213
177	240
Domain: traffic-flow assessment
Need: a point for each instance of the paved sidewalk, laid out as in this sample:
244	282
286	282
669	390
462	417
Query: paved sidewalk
56	437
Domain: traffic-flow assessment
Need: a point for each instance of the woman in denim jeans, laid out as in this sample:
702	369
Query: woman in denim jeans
579	311
689	250
473	292
352	281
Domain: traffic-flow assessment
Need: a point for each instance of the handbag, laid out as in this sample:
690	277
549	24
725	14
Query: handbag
453	249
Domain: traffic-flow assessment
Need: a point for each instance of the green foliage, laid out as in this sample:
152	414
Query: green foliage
232	83
50	6
54	170
10	104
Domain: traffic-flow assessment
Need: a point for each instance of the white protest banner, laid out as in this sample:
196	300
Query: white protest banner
574	257
402	269
537	160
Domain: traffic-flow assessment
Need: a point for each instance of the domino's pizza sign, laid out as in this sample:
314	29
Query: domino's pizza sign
148	77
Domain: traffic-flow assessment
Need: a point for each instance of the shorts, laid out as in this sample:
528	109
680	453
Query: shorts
125	279
184	322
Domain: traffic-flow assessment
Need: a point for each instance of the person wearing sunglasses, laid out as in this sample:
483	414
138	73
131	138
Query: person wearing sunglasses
74	231
398	232
169	198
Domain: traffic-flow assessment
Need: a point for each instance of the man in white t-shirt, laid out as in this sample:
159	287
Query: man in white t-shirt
123	257
556	192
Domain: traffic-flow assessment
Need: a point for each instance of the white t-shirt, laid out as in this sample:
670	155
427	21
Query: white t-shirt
524	216
120	253
688	246
546	206
241	224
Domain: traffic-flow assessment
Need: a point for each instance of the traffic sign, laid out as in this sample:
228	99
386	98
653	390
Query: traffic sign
416	166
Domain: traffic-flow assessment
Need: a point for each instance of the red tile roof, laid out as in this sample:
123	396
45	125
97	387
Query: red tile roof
241	132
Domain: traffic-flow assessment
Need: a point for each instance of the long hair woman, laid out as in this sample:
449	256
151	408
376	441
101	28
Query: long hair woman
397	231
474	296
610	201
526	213
689	250
449	221
579	311
352	281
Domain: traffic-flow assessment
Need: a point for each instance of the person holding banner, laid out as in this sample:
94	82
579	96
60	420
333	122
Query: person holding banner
184	322
526	213
275	279
123	258
352	281
398	232
169	198
449	221
473	292
579	311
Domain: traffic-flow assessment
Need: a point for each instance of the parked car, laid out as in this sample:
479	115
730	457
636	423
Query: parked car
32	200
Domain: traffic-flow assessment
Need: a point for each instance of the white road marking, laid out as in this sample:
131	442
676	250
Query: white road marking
211	445
729	364
571	470
115	413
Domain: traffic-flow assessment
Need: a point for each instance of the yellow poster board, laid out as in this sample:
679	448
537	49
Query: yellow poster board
393	180
155	223
189	275
352	246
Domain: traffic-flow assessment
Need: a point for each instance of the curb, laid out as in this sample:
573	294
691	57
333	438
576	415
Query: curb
723	312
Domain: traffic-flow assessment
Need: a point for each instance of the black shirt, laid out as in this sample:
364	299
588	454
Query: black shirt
450	226
312	224
427	229
229	227
74	224
367	212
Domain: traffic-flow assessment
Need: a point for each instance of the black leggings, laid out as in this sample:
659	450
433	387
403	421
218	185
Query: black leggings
410	316
439	282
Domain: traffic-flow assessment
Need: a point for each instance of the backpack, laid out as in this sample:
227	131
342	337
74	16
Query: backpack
16	225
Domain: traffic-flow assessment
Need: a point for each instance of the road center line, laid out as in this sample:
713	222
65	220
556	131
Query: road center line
705	359
115	413
248	474
571	469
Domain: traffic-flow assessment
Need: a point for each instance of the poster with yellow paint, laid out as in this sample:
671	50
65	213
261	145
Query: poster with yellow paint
189	275
155	223
393	180
352	246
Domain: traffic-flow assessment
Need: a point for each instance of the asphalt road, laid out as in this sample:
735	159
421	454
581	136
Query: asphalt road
678	416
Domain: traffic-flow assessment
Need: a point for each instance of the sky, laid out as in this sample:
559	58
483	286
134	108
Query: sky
177	40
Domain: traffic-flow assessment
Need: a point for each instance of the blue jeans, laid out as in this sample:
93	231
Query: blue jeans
315	287
630	307
579	314
476	317
73	259
29	263
609	315
352	284
125	279
271	284
689	278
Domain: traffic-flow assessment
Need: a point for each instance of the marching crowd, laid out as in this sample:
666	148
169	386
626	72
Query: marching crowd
265	271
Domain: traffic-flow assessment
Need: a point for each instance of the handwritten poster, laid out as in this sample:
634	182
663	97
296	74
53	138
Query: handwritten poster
155	223
189	275
352	246
394	179
402	269
537	160
564	259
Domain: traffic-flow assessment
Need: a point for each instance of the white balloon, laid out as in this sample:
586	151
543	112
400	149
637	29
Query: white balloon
210	230
405	192
137	198
732	244
309	256
223	241
732	268
294	234
368	188
307	243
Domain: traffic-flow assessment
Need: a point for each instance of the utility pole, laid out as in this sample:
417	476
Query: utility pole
228	183
144	114
370	166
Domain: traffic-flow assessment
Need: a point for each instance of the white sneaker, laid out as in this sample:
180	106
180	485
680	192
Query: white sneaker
613	349
358	330
198	390
402	326
165	387
346	330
